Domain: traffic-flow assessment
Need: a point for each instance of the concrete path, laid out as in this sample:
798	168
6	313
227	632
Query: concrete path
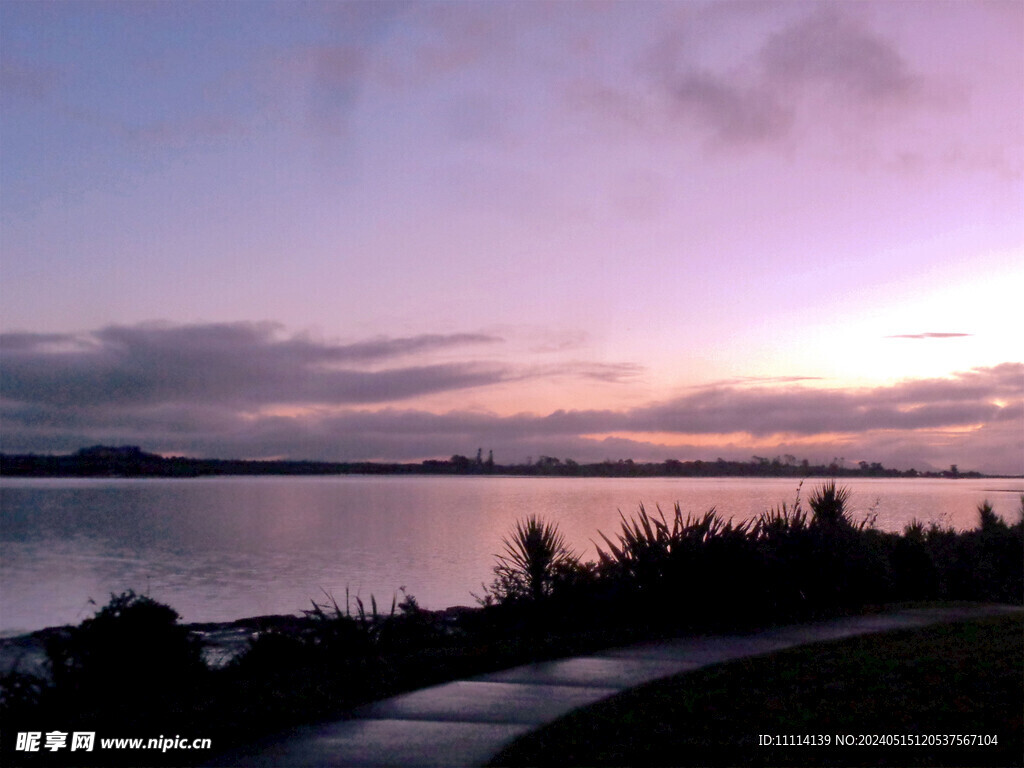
465	723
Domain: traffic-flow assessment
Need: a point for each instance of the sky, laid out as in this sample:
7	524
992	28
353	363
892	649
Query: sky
590	230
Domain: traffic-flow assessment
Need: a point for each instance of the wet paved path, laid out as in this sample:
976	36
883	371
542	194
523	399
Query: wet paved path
466	722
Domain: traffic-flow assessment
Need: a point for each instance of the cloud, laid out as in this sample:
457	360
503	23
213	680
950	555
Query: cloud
929	335
605	372
335	76
840	53
372	45
22	80
384	347
245	364
758	380
27	342
964	400
249	390
756	98
736	113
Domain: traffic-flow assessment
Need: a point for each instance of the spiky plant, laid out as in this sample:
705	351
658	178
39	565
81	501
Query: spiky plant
535	553
644	540
340	629
780	523
648	542
829	504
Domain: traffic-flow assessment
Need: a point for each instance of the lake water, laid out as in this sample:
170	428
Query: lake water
222	548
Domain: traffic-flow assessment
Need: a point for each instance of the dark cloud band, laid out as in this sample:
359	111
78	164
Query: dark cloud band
245	364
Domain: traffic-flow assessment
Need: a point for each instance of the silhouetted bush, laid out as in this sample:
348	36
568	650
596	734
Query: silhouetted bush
678	573
111	664
784	542
705	571
994	555
914	571
847	564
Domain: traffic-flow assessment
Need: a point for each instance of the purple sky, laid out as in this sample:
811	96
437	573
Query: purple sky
590	230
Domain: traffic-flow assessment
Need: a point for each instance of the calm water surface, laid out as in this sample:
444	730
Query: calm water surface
222	548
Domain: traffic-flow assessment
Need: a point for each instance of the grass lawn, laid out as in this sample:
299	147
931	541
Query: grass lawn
953	679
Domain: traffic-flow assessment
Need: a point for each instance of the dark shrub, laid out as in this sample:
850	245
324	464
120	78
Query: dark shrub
915	575
784	542
131	654
846	564
986	563
20	692
995	551
693	571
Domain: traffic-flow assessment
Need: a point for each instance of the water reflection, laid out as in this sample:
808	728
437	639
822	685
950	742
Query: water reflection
221	548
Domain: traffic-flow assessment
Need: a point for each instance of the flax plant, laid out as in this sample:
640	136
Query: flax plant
830	504
535	556
683	569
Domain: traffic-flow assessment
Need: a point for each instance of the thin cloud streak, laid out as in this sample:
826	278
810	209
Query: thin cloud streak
739	380
929	336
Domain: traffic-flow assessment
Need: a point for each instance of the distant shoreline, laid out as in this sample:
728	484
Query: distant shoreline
133	462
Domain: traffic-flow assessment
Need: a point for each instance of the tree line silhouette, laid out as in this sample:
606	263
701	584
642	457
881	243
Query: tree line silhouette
132	461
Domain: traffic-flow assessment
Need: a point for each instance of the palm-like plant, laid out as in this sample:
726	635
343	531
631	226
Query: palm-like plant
829	504
535	554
